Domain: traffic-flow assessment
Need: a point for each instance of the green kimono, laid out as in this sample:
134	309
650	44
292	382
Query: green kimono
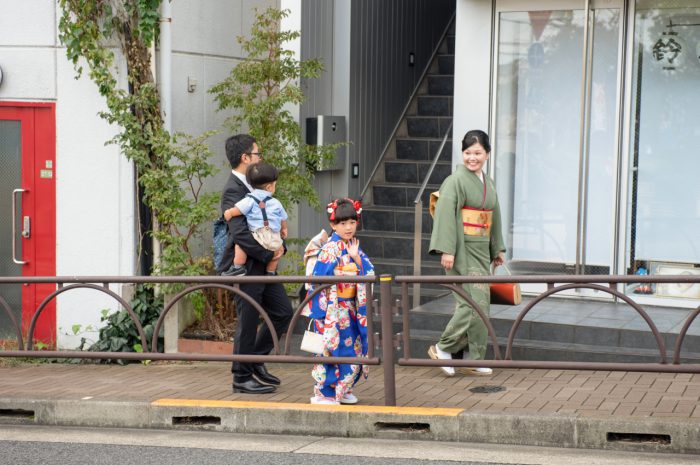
473	255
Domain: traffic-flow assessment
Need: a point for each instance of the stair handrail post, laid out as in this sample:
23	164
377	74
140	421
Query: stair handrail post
418	218
417	248
407	106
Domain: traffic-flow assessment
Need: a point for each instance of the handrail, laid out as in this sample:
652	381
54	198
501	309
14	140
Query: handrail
407	106
418	218
432	165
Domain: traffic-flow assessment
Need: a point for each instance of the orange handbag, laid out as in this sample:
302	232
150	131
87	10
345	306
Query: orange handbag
505	293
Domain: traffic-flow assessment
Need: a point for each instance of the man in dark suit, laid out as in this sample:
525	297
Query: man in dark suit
252	378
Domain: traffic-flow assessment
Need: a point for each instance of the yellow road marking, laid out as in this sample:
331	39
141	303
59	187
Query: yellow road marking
234	404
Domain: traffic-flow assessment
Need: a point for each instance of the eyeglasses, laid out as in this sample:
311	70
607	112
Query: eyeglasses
259	154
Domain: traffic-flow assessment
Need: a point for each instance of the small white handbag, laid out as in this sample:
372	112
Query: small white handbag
312	342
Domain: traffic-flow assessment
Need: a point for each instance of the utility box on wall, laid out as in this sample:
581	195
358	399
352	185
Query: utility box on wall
325	129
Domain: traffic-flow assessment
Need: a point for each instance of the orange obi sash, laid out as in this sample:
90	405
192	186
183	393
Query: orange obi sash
477	222
346	290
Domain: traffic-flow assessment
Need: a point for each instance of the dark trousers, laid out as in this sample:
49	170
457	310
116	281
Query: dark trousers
253	337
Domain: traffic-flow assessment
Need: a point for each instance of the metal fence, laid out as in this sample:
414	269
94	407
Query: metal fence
386	341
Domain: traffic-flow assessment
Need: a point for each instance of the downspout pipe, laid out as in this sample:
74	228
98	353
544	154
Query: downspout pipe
165	64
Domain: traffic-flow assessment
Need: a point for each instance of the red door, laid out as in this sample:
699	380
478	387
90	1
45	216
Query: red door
28	213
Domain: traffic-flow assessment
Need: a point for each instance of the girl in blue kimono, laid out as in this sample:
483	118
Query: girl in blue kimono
340	311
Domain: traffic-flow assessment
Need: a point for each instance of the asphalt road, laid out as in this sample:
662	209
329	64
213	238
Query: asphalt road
22	444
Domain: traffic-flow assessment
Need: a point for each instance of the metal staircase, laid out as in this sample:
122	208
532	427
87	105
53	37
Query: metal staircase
388	211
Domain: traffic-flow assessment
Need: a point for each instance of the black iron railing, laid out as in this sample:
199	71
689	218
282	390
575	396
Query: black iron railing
386	341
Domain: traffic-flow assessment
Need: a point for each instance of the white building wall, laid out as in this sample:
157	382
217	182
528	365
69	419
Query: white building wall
94	206
205	49
95	213
473	24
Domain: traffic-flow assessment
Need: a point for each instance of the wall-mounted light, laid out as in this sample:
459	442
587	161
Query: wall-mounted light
191	84
355	172
411	59
0	76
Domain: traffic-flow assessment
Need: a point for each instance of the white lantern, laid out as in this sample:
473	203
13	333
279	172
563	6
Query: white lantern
669	50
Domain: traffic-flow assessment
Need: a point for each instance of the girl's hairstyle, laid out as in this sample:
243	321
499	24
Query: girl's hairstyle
260	174
344	209
476	136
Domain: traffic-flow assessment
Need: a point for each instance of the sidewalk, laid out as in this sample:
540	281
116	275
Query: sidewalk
627	411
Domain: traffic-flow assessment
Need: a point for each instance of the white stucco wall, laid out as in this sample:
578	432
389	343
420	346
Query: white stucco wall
205	49
94	206
472	70
95	213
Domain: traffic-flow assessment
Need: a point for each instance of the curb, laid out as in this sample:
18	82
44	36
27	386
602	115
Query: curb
415	423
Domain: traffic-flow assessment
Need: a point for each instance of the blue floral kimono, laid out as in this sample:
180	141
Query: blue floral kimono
340	314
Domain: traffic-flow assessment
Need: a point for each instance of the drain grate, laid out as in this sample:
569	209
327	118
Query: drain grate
640	438
16	416
486	389
17	413
196	421
403	427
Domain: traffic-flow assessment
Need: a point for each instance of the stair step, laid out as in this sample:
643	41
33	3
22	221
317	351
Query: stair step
400	195
450	44
395	245
446	64
431	105
428	126
423	149
397	267
441	84
576	330
415	172
524	349
398	219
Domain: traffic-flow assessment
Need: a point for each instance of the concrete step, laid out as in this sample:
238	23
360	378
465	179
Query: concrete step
441	84
423	149
450	44
446	64
430	105
397	267
428	126
409	171
400	195
393	219
568	329
524	349
395	245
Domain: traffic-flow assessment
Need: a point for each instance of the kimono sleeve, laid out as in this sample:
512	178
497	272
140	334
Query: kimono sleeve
367	268
325	264
444	235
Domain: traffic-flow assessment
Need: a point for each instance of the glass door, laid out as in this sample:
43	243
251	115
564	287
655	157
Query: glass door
10	211
663	200
555	125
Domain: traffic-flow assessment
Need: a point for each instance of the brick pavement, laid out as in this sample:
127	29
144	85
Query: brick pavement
590	394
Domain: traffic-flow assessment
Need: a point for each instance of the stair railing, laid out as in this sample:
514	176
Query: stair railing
418	218
408	105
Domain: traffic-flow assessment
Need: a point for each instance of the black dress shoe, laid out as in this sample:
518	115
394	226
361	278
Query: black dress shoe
260	372
252	386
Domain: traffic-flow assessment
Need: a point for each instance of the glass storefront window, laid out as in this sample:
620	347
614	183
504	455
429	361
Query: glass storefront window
537	135
664	161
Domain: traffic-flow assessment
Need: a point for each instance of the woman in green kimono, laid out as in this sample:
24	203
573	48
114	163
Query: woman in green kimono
467	233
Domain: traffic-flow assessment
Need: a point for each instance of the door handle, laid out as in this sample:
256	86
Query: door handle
14	225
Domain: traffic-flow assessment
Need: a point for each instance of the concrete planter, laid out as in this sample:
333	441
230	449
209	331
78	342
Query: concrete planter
178	318
202	346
